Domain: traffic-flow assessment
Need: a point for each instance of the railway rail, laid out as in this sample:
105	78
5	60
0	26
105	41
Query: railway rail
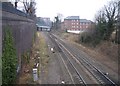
97	73
72	70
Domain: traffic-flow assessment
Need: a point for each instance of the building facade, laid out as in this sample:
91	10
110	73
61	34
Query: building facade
74	23
85	24
43	23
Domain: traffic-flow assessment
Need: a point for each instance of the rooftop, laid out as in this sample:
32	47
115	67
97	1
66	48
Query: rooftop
72	17
43	22
85	20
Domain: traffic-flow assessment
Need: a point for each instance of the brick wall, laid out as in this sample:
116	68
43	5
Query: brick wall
72	24
77	25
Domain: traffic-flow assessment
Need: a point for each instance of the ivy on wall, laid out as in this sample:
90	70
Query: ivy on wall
9	58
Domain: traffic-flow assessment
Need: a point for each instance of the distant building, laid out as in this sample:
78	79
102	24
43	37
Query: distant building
47	21
74	23
43	24
85	24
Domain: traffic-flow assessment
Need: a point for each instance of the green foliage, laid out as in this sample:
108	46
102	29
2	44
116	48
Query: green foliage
85	37
9	58
0	71
90	38
101	30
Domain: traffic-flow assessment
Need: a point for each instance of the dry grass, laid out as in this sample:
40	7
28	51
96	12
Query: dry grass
105	48
44	57
43	50
39	49
27	78
70	36
108	49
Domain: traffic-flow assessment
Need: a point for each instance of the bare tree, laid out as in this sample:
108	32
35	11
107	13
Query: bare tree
60	16
29	6
107	19
111	12
100	17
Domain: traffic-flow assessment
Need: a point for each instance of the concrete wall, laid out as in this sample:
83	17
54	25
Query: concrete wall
0	34
23	30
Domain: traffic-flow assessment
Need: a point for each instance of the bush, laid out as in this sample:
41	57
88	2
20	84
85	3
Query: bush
9	58
85	37
90	38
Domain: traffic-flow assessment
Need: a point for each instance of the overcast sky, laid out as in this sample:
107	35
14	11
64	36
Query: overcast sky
83	8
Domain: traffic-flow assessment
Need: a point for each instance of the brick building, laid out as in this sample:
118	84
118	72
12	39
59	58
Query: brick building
74	23
86	24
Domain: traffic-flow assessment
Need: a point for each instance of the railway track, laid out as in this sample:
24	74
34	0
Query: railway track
98	74
76	77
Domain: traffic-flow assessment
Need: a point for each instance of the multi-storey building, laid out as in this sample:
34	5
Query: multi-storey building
86	24
74	23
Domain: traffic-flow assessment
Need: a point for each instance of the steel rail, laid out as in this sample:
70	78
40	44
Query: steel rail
81	80
88	63
79	75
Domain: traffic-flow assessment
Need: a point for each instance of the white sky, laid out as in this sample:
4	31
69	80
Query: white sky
83	8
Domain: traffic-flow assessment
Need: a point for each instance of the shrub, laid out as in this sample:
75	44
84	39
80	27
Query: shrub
9	58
